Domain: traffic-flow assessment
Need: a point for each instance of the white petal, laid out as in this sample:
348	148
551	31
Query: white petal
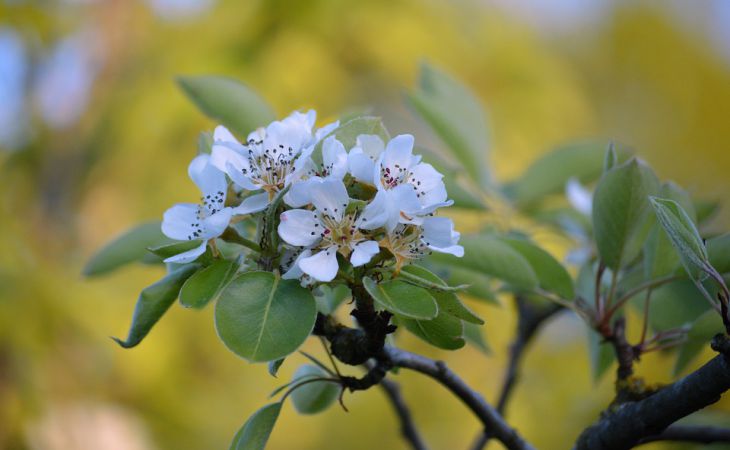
299	192
403	205
253	204
295	271
177	222
321	133
398	152
425	177
439	235
330	197
209	178
222	134
334	157
299	227
321	266
579	197
370	144
188	256
375	214
214	225
364	252
361	166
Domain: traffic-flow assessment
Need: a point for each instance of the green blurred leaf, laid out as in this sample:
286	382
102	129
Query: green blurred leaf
444	331
551	275
474	335
315	396
455	115
205	142
683	235
620	211
601	355
549	174
273	366
461	194
491	256
447	302
479	286
610	159
718	252
166	250
261	317
129	247
348	132
256	431
700	333
402	298
228	101
153	302
673	305
330	297
706	210
207	284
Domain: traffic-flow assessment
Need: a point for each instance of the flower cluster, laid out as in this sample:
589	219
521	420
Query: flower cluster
340	206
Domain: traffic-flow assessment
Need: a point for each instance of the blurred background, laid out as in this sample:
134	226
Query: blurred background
95	136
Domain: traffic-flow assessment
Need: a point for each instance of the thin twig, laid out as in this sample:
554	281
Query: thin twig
651	284
437	370
407	426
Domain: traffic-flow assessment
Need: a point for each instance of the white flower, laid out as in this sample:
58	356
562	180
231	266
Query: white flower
362	157
205	221
307	170
411	242
412	189
266	161
327	230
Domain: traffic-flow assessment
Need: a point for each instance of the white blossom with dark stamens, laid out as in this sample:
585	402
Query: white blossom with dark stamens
408	242
327	230
199	222
333	164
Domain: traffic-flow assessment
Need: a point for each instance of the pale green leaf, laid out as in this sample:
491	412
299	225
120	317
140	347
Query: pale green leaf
129	247
683	235
207	284
315	396
447	301
402	298
699	336
551	275
256	431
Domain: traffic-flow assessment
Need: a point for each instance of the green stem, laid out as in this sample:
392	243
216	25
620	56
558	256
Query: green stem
232	236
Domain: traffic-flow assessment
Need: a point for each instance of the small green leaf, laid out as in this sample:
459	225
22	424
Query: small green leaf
718	252
227	101
683	235
127	248
674	305
348	132
549	174
274	366
402	298
456	116
479	286
491	256
256	431
706	210
551	275
700	333
330	297
207	284
261	317
315	396
620	211
601	355
166	250
610	159
153	302
444	331
447	301
474	335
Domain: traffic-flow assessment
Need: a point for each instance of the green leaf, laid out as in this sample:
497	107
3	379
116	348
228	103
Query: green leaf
491	256
207	284
620	211
402	298
479	286
330	297
447	302
549	174
227	101
444	331
348	132
261	317
610	160
683	235
660	258
166	250
474	335
205	142
700	333
718	252
461	193
256	431
601	355
315	396
455	115
127	248
551	275
673	305
273	366
706	210
153	302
